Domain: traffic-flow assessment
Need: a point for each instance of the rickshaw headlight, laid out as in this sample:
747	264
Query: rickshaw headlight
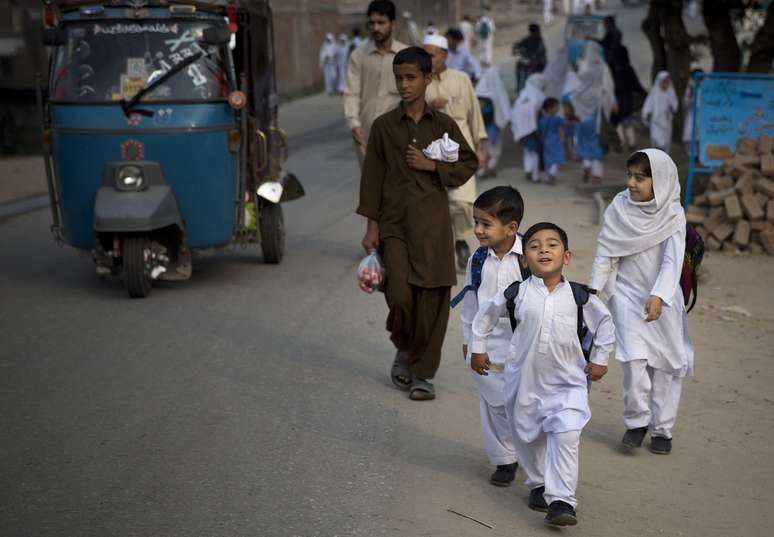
129	178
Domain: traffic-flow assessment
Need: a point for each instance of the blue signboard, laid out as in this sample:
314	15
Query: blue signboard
727	107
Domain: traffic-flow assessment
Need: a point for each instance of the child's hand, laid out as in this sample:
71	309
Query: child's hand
439	103
464	352
653	308
416	160
595	372
479	362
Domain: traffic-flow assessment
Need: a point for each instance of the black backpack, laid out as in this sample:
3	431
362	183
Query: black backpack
476	267
580	293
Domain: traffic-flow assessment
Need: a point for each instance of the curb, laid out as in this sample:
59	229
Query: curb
22	206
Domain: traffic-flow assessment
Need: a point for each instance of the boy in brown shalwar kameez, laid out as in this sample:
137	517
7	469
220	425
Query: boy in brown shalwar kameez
403	195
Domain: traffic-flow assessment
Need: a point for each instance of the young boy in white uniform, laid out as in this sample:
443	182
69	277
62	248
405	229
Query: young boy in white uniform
546	375
497	214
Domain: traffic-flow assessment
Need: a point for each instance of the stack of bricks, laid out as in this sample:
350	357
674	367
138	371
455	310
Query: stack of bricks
736	213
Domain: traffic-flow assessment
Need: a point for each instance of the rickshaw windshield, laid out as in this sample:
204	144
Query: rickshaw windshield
583	29
107	61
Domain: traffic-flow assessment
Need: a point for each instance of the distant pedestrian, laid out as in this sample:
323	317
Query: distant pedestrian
430	29
532	55
460	57
357	39
485	31
627	89
468	32
344	46
328	63
495	109
369	90
550	127
548	12
524	123
659	111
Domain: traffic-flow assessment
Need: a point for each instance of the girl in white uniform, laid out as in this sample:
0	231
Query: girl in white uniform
659	110
638	265
546	375
497	214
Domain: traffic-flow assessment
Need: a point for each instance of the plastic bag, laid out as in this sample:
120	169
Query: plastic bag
370	273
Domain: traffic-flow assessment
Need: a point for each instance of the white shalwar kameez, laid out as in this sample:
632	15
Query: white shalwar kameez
328	63
496	275
640	254
546	388
342	59
659	109
491	87
485	45
524	119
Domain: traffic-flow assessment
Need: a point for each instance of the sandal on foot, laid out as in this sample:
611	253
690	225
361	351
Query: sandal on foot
421	390
400	373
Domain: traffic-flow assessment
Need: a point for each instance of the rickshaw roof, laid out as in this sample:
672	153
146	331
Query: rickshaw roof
203	5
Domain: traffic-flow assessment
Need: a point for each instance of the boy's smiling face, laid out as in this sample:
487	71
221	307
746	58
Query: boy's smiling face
411	82
491	232
546	254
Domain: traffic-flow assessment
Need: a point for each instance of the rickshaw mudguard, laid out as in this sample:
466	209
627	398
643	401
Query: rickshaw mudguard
135	212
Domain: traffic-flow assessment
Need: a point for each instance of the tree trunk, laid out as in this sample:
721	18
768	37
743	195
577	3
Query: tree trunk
762	49
678	43
726	55
652	28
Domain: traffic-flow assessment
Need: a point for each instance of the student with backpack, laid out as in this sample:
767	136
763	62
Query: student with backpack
494	265
546	372
639	264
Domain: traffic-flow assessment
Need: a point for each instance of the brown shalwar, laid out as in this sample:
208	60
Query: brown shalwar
412	209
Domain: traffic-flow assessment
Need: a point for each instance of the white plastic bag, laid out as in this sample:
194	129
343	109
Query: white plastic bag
370	273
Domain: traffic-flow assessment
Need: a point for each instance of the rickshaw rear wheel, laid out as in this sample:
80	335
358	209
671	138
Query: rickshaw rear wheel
272	227
136	277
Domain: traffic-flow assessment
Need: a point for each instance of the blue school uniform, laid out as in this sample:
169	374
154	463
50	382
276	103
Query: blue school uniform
587	140
532	142
553	148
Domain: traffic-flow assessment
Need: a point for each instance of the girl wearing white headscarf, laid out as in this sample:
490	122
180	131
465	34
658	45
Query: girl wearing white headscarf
491	87
524	123
342	59
328	63
638	265
591	94
659	109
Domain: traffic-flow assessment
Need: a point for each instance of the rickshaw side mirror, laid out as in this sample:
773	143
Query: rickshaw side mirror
216	36
54	37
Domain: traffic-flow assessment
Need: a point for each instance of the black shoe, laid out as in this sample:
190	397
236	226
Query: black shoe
561	514
536	500
633	437
463	254
504	475
660	445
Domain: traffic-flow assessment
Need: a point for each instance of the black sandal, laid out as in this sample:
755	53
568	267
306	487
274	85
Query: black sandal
400	374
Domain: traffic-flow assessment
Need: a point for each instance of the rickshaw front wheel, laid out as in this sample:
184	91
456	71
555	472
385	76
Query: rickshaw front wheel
272	228
136	276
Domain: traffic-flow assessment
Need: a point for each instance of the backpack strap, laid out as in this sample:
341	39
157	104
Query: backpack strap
511	292
581	294
525	272
476	267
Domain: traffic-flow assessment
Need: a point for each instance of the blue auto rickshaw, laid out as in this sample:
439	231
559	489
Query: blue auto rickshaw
160	133
579	29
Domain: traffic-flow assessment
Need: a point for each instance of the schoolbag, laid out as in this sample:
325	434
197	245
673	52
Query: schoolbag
689	278
484	29
476	267
580	293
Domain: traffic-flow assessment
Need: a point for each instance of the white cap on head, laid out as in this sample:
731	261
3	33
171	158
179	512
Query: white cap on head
437	41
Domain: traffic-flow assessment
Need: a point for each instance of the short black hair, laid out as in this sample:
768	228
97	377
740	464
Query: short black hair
640	160
503	202
382	7
549	102
455	33
534	29
417	56
540	226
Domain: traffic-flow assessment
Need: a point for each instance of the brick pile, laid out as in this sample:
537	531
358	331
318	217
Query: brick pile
736	213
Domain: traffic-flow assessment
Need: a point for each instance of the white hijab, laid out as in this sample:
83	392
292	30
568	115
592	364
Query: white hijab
631	227
491	87
594	89
524	114
328	49
661	104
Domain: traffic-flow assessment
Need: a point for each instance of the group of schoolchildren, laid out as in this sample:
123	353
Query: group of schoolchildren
534	341
528	332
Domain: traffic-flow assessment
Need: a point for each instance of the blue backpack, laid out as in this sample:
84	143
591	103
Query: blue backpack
476	267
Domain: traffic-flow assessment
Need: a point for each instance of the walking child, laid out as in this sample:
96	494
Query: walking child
550	126
524	123
494	266
638	265
546	375
403	196
659	110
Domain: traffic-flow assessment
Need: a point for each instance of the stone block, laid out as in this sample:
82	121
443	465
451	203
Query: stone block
712	244
742	233
770	211
765	144
733	208
746	146
723	231
765	186
766	239
721	182
767	165
751	208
